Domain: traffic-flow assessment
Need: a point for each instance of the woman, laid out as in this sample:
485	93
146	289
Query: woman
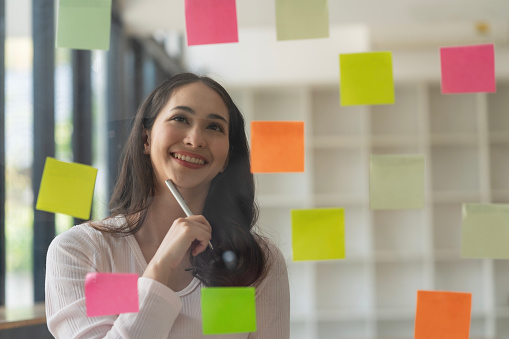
190	131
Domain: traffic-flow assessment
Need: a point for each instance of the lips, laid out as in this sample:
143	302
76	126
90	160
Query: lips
192	159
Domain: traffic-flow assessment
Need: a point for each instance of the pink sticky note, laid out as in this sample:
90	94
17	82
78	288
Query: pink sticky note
111	293
468	69
211	22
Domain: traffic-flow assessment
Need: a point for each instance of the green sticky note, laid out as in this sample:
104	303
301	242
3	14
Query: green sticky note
66	188
318	234
228	310
302	19
84	24
396	182
366	79
485	231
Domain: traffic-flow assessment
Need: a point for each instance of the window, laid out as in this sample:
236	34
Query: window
19	196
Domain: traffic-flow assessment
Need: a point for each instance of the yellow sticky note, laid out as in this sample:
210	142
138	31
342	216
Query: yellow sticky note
302	19
396	182
318	234
366	79
485	231
67	188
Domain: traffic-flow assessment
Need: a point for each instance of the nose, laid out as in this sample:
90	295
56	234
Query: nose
195	138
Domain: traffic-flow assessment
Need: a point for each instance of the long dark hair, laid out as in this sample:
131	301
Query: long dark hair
230	207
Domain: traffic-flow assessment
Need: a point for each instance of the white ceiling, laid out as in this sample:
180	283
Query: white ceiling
393	22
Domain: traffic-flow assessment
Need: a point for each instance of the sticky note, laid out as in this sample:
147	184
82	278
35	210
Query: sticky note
366	79
66	188
211	22
396	182
111	293
442	315
318	234
468	69
84	24
277	146
485	231
228	310
302	19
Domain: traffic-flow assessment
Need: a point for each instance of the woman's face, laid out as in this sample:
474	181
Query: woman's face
189	142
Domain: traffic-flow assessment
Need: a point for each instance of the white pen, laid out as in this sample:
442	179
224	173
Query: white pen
181	201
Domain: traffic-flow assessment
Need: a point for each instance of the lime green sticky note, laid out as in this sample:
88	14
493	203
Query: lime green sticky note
84	24
228	310
318	234
485	231
396	182
302	19
66	188
366	79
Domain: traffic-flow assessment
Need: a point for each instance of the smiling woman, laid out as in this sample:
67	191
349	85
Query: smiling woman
192	128
190	131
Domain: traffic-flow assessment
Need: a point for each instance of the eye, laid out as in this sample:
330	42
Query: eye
179	118
216	127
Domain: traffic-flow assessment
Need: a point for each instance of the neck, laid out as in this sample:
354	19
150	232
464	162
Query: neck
164	209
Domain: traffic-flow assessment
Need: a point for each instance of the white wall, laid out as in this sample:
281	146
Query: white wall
259	59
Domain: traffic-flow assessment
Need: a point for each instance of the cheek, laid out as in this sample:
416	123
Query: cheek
164	137
223	150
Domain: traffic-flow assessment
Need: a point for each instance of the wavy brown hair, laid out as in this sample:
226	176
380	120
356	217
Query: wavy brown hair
230	207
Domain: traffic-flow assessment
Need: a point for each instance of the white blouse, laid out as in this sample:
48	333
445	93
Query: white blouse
163	312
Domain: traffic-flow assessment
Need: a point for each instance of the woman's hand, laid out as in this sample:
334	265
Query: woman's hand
190	233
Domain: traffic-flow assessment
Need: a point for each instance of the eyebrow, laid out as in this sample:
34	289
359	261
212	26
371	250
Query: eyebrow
190	110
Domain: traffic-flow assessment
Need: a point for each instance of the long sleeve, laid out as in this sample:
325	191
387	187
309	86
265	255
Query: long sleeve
273	300
70	257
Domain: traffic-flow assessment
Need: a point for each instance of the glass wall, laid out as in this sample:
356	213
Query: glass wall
110	80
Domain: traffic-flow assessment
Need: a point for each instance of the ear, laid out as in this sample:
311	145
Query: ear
146	141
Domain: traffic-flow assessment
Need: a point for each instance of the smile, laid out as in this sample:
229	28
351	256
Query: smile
188	159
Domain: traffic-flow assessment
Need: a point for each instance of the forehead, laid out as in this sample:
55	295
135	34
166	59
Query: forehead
200	98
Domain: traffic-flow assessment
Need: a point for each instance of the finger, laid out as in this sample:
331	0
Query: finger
200	244
193	221
194	231
198	247
199	219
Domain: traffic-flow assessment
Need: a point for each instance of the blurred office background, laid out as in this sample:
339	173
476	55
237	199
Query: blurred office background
75	105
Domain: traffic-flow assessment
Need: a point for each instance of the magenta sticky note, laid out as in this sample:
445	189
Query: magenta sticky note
111	293
211	22
468	69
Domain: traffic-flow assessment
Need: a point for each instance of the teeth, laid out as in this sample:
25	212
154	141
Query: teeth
189	159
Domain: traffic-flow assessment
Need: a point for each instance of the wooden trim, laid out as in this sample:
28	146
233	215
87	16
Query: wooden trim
21	317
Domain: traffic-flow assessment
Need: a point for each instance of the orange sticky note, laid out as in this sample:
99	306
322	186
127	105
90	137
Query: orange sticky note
442	315
277	146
